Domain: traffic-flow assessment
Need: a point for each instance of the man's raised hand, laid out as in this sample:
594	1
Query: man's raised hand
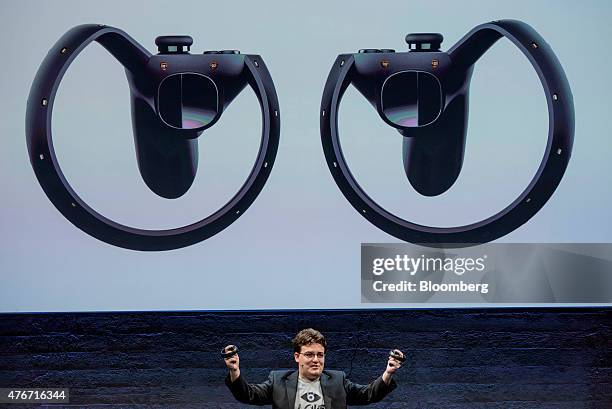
232	361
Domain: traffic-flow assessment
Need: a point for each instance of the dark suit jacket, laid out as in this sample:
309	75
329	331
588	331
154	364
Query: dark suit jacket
280	389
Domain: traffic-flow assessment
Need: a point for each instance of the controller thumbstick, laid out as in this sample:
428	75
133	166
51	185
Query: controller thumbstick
424	41
173	44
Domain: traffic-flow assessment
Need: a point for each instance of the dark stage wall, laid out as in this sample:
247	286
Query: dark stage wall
464	358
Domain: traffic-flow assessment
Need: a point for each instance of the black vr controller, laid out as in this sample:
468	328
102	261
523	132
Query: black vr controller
229	352
175	96
397	355
423	93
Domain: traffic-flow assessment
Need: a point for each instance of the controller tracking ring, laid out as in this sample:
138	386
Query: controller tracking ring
133	56
463	55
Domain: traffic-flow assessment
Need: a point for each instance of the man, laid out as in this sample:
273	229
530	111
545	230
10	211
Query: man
310	387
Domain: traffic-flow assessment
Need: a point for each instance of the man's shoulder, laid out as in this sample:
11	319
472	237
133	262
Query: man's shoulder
334	374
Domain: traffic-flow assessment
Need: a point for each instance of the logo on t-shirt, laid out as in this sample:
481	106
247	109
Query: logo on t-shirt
311	398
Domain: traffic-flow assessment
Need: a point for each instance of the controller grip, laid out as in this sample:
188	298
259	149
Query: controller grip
433	154
167	160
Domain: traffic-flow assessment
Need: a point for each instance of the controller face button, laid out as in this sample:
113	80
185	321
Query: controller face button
411	98
188	101
173	44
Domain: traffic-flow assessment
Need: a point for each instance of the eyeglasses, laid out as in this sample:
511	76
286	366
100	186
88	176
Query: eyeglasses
311	355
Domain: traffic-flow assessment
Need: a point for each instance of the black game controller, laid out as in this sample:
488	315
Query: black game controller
232	350
423	93
175	96
397	355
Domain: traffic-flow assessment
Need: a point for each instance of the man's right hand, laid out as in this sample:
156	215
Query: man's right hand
232	363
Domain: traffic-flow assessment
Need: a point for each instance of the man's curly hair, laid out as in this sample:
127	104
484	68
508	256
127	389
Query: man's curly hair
308	336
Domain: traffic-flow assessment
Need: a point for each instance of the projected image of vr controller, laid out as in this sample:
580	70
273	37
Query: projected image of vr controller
175	96
423	94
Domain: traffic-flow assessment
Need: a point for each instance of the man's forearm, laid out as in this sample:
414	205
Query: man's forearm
386	377
234	375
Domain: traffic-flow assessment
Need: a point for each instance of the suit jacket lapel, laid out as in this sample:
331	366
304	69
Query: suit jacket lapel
325	390
291	386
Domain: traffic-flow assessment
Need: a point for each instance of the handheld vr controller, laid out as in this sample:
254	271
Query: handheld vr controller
398	355
423	93
230	352
175	96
